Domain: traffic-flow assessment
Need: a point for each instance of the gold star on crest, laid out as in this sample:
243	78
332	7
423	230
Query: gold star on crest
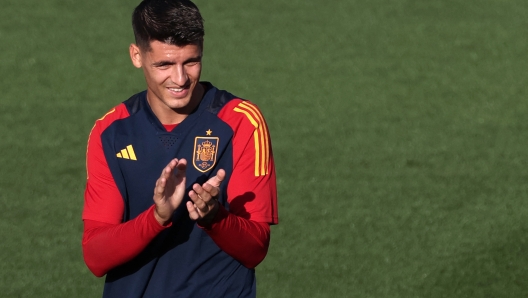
209	132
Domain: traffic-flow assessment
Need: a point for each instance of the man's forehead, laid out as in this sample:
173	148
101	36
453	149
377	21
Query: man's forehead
161	49
161	45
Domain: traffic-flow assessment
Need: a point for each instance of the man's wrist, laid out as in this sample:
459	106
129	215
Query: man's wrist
207	223
208	220
160	219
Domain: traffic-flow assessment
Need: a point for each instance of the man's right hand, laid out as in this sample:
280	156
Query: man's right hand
169	190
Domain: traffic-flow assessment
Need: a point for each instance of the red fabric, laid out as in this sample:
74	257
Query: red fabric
245	240
106	246
170	127
243	233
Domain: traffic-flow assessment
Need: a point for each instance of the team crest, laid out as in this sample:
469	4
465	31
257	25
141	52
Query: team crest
205	150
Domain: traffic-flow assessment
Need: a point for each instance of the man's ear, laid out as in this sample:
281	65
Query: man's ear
135	55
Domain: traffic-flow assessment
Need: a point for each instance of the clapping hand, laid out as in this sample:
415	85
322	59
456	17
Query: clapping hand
169	190
204	204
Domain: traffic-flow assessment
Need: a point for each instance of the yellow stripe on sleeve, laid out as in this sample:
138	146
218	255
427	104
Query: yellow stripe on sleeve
90	135
110	112
255	137
264	142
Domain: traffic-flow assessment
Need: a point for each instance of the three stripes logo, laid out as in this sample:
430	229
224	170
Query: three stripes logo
127	153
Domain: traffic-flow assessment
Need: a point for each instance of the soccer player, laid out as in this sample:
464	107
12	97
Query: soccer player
181	188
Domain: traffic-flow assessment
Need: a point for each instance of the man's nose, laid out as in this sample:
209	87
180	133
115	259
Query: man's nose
179	75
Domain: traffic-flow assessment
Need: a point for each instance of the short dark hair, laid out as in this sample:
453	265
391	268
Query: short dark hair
175	22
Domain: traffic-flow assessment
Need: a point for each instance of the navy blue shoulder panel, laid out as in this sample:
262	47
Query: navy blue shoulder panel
219	100
135	102
214	99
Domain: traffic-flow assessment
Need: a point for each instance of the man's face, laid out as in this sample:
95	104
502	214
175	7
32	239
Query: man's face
172	73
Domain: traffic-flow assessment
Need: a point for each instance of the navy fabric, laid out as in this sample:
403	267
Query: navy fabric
182	261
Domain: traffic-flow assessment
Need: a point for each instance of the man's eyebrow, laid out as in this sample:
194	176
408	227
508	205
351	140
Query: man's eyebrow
163	63
168	62
194	59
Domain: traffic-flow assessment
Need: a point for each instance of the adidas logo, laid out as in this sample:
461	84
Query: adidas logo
127	153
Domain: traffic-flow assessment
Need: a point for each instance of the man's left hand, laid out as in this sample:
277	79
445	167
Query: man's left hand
204	205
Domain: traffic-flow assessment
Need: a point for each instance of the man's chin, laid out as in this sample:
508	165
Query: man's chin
178	105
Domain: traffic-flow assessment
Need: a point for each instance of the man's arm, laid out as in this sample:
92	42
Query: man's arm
245	240
107	242
106	245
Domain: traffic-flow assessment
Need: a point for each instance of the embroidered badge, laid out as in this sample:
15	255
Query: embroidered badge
205	149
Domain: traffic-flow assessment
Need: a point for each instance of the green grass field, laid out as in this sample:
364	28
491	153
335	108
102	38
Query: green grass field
399	132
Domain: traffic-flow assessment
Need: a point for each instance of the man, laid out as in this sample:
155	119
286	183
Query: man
181	184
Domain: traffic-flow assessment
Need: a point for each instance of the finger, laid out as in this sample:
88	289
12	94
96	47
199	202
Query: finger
213	191
181	162
193	213
181	166
217	179
160	186
221	175
166	172
198	201
204	195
